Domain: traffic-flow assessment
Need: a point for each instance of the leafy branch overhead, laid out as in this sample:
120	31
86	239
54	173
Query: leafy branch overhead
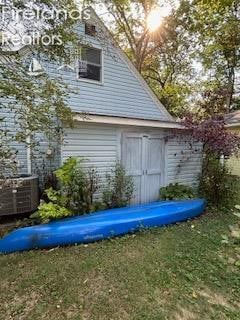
38	104
195	49
163	57
214	136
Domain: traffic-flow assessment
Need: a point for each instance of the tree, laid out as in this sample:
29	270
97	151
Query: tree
38	103
195	50
162	57
215	24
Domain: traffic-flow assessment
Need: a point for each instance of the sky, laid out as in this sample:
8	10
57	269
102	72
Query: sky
165	5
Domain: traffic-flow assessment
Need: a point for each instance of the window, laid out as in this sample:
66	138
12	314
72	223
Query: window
90	64
90	29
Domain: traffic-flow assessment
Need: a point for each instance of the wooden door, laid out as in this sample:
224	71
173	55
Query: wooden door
154	168
142	157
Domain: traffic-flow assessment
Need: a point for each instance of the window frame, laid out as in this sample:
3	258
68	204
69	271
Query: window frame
101	82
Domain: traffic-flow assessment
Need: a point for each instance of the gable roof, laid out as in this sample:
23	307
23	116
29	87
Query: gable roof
131	66
232	119
137	100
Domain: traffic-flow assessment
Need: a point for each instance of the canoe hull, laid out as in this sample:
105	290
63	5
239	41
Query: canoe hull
101	225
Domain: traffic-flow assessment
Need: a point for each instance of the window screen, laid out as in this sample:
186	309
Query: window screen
90	64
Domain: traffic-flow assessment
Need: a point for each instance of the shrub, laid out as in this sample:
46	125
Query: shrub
216	184
176	192
52	211
119	189
97	206
49	180
77	186
74	195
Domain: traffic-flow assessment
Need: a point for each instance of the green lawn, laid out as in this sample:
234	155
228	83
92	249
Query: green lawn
179	272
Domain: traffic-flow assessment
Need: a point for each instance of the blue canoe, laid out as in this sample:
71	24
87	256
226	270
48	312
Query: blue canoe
101	225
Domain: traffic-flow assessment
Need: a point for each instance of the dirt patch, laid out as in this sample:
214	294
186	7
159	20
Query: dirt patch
184	314
21	307
215	298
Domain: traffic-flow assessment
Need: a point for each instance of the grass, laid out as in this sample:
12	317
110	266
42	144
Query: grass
178	272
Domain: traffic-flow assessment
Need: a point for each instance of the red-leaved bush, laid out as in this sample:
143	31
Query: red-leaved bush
216	183
213	134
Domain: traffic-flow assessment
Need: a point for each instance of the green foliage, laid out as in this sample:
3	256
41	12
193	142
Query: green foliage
38	103
66	172
217	185
56	196
176	191
76	188
174	97
215	26
38	107
206	32
77	185
52	211
119	189
163	57
97	206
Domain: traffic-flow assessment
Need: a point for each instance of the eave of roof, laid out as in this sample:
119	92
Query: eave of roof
131	66
122	121
25	49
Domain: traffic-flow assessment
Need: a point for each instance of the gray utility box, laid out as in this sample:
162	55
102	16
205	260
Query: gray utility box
24	198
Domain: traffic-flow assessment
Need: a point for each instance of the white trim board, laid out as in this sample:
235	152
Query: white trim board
128	121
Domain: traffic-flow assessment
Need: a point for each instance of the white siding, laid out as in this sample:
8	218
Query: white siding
234	165
183	161
97	144
122	93
100	145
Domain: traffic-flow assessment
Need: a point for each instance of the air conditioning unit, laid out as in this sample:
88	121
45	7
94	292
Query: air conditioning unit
22	196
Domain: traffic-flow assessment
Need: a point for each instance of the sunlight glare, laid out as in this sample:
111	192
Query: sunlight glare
156	17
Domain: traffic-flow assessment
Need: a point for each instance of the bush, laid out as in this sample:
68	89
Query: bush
52	211
216	184
75	192
77	185
119	189
176	192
